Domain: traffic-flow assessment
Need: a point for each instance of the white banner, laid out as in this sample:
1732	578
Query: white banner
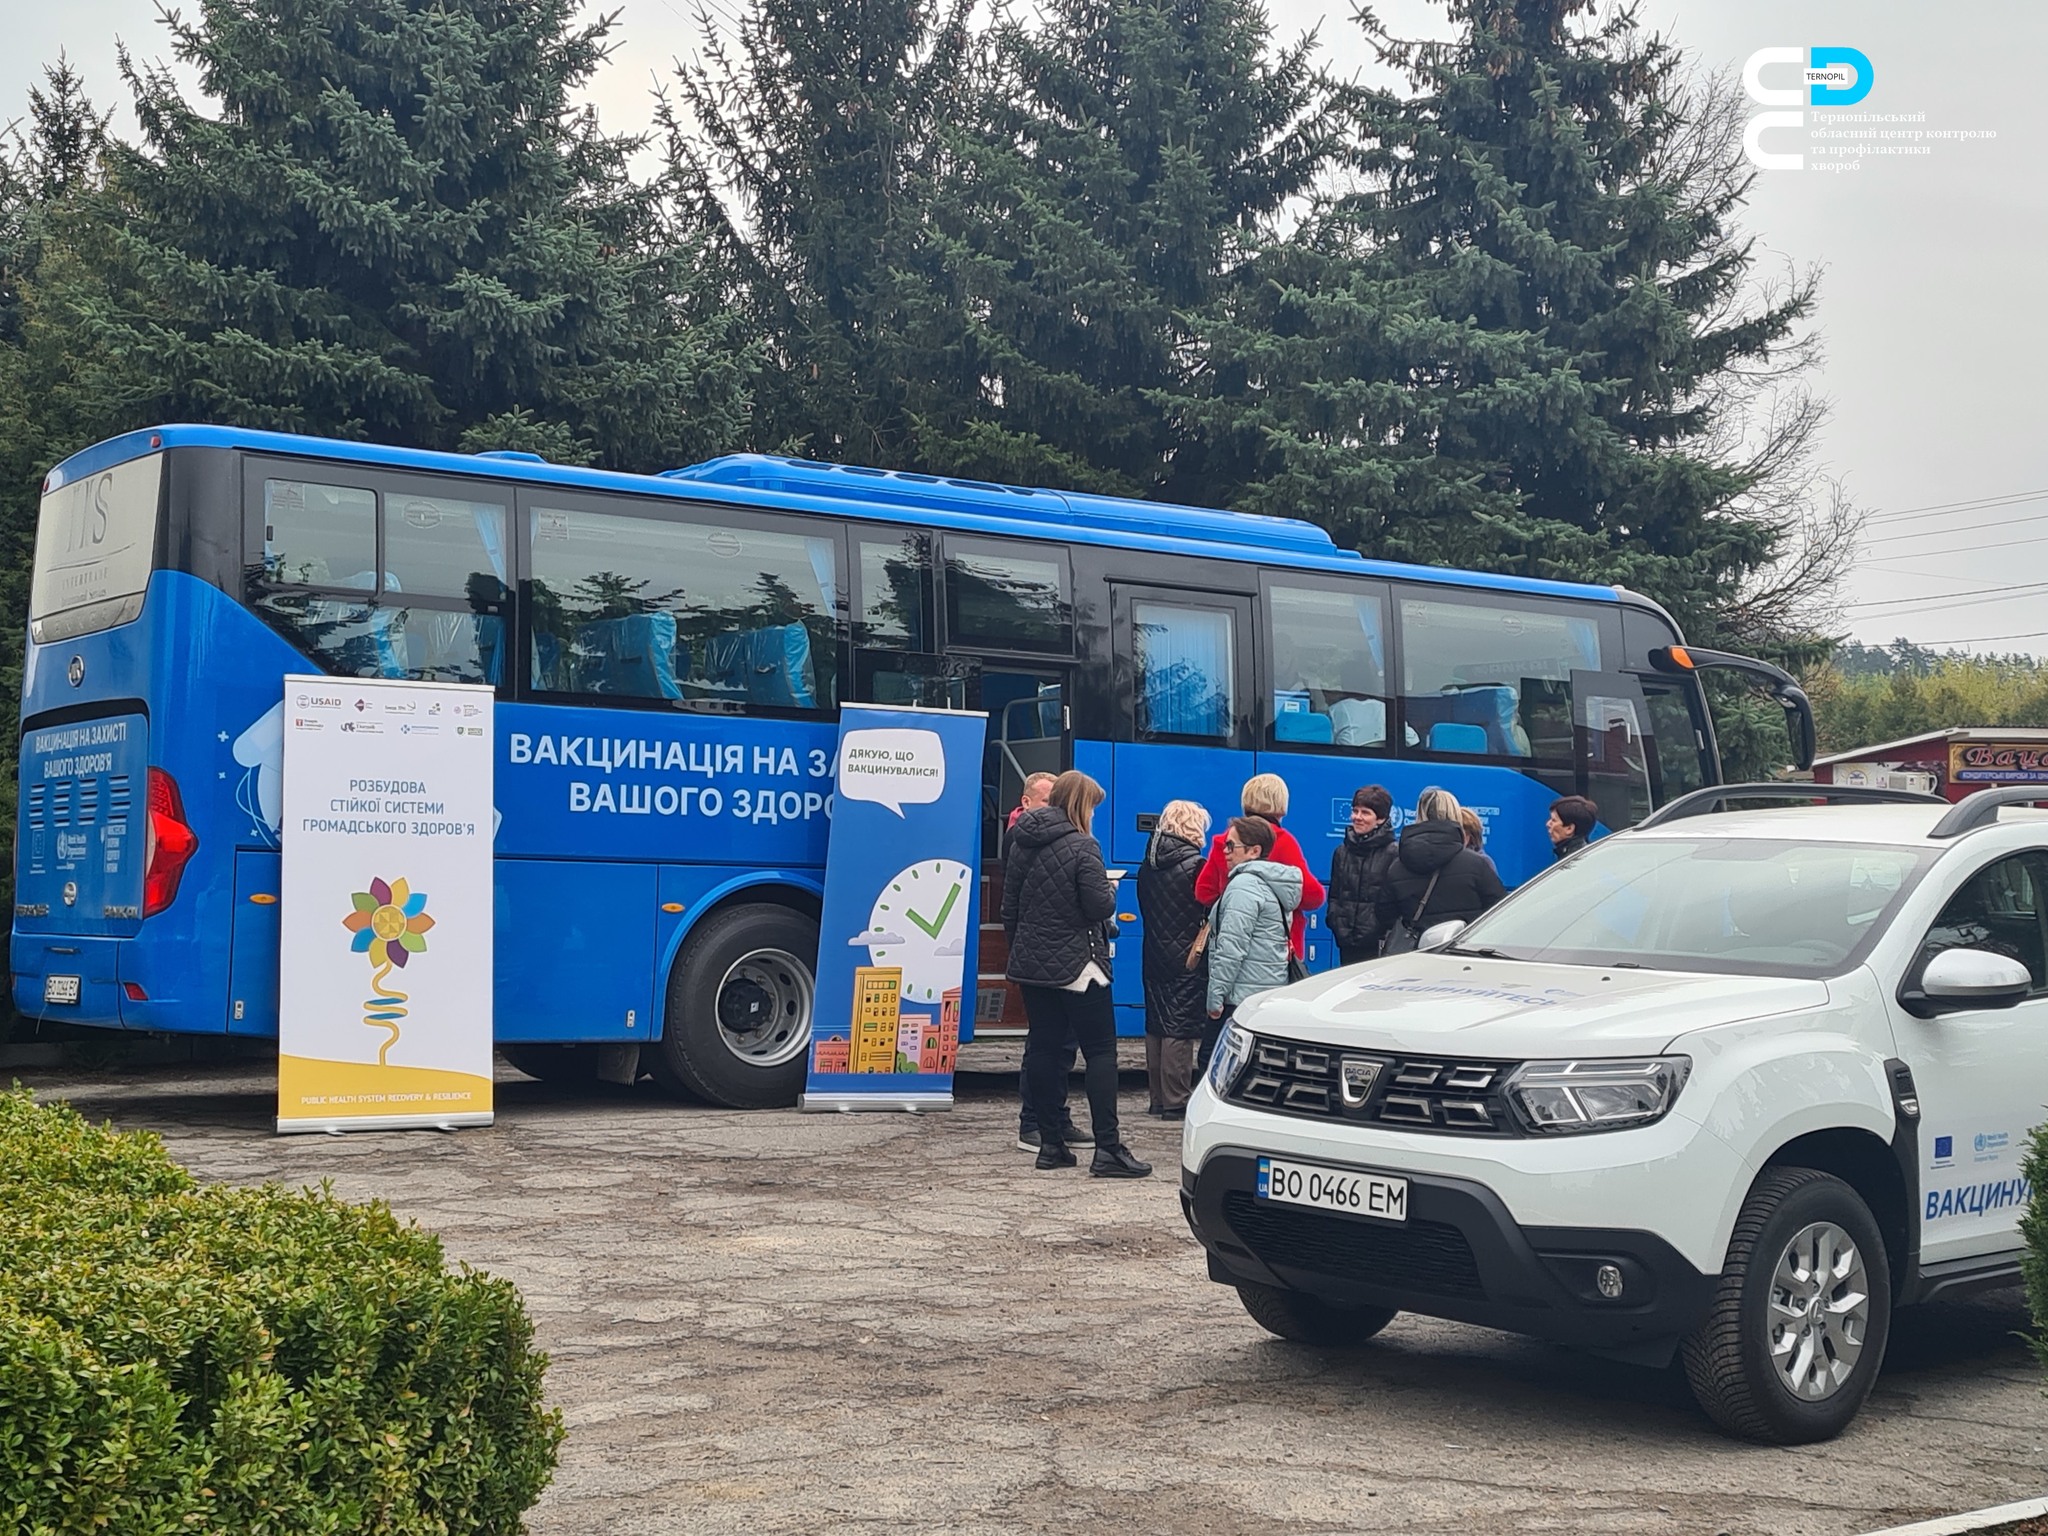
385	969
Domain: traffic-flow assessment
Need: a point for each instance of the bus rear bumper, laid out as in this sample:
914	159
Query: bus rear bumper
66	979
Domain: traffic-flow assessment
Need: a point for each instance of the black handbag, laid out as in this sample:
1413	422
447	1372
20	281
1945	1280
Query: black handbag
1407	934
1296	969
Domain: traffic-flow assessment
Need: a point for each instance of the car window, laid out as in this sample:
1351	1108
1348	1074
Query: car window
1998	909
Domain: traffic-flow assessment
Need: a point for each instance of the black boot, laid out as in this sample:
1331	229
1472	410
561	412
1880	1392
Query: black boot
1056	1154
1115	1162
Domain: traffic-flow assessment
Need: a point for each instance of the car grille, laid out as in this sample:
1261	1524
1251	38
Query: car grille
1446	1094
1427	1256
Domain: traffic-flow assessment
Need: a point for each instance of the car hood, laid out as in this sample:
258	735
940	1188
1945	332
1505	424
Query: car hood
1461	1006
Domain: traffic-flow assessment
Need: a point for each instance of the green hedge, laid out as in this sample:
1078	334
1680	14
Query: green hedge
186	1358
2034	1232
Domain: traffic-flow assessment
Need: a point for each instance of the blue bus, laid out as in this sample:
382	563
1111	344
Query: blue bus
669	653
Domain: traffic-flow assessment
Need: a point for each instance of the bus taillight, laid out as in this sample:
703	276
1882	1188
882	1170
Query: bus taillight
172	842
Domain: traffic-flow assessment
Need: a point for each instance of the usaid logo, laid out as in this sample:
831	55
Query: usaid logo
1828	77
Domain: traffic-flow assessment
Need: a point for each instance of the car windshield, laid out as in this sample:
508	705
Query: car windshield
1721	904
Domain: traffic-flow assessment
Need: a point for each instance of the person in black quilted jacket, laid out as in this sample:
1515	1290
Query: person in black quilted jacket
1057	905
1358	869
1176	994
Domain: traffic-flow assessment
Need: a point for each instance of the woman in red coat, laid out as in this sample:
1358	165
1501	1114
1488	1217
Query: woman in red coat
1265	794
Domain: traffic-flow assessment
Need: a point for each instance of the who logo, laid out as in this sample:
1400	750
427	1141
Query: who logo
1829	77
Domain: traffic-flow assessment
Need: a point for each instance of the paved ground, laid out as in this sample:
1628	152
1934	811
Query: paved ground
777	1322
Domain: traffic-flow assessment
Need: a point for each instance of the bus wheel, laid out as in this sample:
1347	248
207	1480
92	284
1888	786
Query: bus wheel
739	1009
554	1063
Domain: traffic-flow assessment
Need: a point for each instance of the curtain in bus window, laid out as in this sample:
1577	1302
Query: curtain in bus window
1329	667
453	549
1184	670
654	608
1493	679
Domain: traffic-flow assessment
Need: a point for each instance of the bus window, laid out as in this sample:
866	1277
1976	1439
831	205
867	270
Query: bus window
1676	742
1185	660
1485	679
1329	668
700	614
1008	598
894	606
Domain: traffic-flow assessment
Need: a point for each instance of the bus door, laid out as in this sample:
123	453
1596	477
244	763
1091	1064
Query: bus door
1613	732
1028	732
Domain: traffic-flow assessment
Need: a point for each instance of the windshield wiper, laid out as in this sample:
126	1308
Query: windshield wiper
1477	951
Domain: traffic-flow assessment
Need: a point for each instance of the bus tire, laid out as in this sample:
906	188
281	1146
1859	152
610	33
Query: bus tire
737	1030
569	1064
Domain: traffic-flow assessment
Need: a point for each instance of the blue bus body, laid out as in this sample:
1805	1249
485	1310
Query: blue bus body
627	823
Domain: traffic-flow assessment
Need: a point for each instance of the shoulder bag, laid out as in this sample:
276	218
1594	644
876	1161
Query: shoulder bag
1408	932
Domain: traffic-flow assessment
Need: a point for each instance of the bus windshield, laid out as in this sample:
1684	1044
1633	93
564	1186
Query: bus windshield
95	541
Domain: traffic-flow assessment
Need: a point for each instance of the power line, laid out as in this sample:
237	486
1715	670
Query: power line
1937	533
1972	504
1943	597
1959	549
2032	634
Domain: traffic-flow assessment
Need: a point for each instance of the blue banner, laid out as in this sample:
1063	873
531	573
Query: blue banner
895	941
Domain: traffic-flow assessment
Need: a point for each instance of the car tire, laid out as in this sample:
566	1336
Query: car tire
566	1064
1797	1330
1304	1319
737	1029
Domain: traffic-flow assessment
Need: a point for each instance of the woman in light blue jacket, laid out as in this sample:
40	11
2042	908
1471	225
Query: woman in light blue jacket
1248	929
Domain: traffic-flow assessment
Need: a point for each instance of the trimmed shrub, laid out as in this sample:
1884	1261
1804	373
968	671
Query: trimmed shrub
177	1357
2034	1232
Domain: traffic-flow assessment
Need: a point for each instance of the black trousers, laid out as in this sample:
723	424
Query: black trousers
1027	1111
1212	1031
1058	1021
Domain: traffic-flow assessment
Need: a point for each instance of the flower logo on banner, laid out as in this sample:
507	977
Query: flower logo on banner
390	924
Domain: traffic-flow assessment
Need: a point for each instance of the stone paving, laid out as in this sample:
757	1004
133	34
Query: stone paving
776	1322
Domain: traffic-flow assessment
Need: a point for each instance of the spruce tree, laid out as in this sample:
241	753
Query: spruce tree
399	226
1129	156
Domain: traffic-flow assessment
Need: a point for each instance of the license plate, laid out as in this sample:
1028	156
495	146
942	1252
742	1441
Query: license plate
1333	1189
60	989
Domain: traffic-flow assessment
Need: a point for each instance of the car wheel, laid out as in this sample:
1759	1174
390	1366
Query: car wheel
738	1024
1308	1319
554	1063
1800	1318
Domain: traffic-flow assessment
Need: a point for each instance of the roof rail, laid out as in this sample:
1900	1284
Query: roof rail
1981	808
1705	802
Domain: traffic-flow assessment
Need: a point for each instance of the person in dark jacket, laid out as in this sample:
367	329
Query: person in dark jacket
1571	824
1057	903
1174	990
1435	877
1358	869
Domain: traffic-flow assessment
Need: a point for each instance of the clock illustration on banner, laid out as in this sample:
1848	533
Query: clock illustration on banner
922	917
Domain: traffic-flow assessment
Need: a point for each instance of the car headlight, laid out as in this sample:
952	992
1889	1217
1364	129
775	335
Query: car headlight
1233	1050
1565	1097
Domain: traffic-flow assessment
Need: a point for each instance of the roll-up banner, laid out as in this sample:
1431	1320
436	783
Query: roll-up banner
895	948
384	968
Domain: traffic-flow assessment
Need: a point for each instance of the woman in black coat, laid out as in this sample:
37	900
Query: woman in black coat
1435	878
1176	997
1057	905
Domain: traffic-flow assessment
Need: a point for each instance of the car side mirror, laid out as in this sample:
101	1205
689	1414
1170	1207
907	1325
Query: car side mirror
1437	935
1957	979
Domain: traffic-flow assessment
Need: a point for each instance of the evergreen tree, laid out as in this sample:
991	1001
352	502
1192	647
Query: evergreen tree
1129	155
398	226
800	153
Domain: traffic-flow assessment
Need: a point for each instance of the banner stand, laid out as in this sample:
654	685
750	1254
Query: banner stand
895	932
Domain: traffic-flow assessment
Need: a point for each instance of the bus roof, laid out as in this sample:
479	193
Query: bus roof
771	482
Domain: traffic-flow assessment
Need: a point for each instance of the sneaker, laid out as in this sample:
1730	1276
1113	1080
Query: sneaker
1113	1162
1027	1141
1054	1155
1174	1114
1074	1136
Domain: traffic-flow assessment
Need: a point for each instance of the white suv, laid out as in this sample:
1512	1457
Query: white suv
1732	1084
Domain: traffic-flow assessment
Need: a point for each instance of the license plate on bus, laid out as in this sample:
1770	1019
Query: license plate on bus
1333	1189
60	989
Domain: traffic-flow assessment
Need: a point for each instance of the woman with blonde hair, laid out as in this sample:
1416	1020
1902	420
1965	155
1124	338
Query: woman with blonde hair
1435	878
1176	969
1265	794
1057	903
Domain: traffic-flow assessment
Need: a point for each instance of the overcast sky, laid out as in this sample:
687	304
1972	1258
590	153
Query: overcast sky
1935	329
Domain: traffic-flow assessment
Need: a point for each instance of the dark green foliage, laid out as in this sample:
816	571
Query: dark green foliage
177	1357
2034	1233
400	227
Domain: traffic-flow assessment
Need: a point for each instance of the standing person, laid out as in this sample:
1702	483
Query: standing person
1036	787
1176	977
1435	878
1358	868
1265	795
1248	931
1475	834
1057	903
1570	825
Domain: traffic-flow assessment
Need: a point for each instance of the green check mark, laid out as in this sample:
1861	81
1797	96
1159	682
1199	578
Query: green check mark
932	928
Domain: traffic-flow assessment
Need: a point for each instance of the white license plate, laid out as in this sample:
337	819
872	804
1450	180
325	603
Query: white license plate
60	989
1333	1189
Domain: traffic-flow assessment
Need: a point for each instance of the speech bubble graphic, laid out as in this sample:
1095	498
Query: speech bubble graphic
892	766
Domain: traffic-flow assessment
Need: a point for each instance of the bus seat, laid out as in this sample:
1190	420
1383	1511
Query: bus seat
634	656
1492	708
1303	725
1457	736
765	666
1359	722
